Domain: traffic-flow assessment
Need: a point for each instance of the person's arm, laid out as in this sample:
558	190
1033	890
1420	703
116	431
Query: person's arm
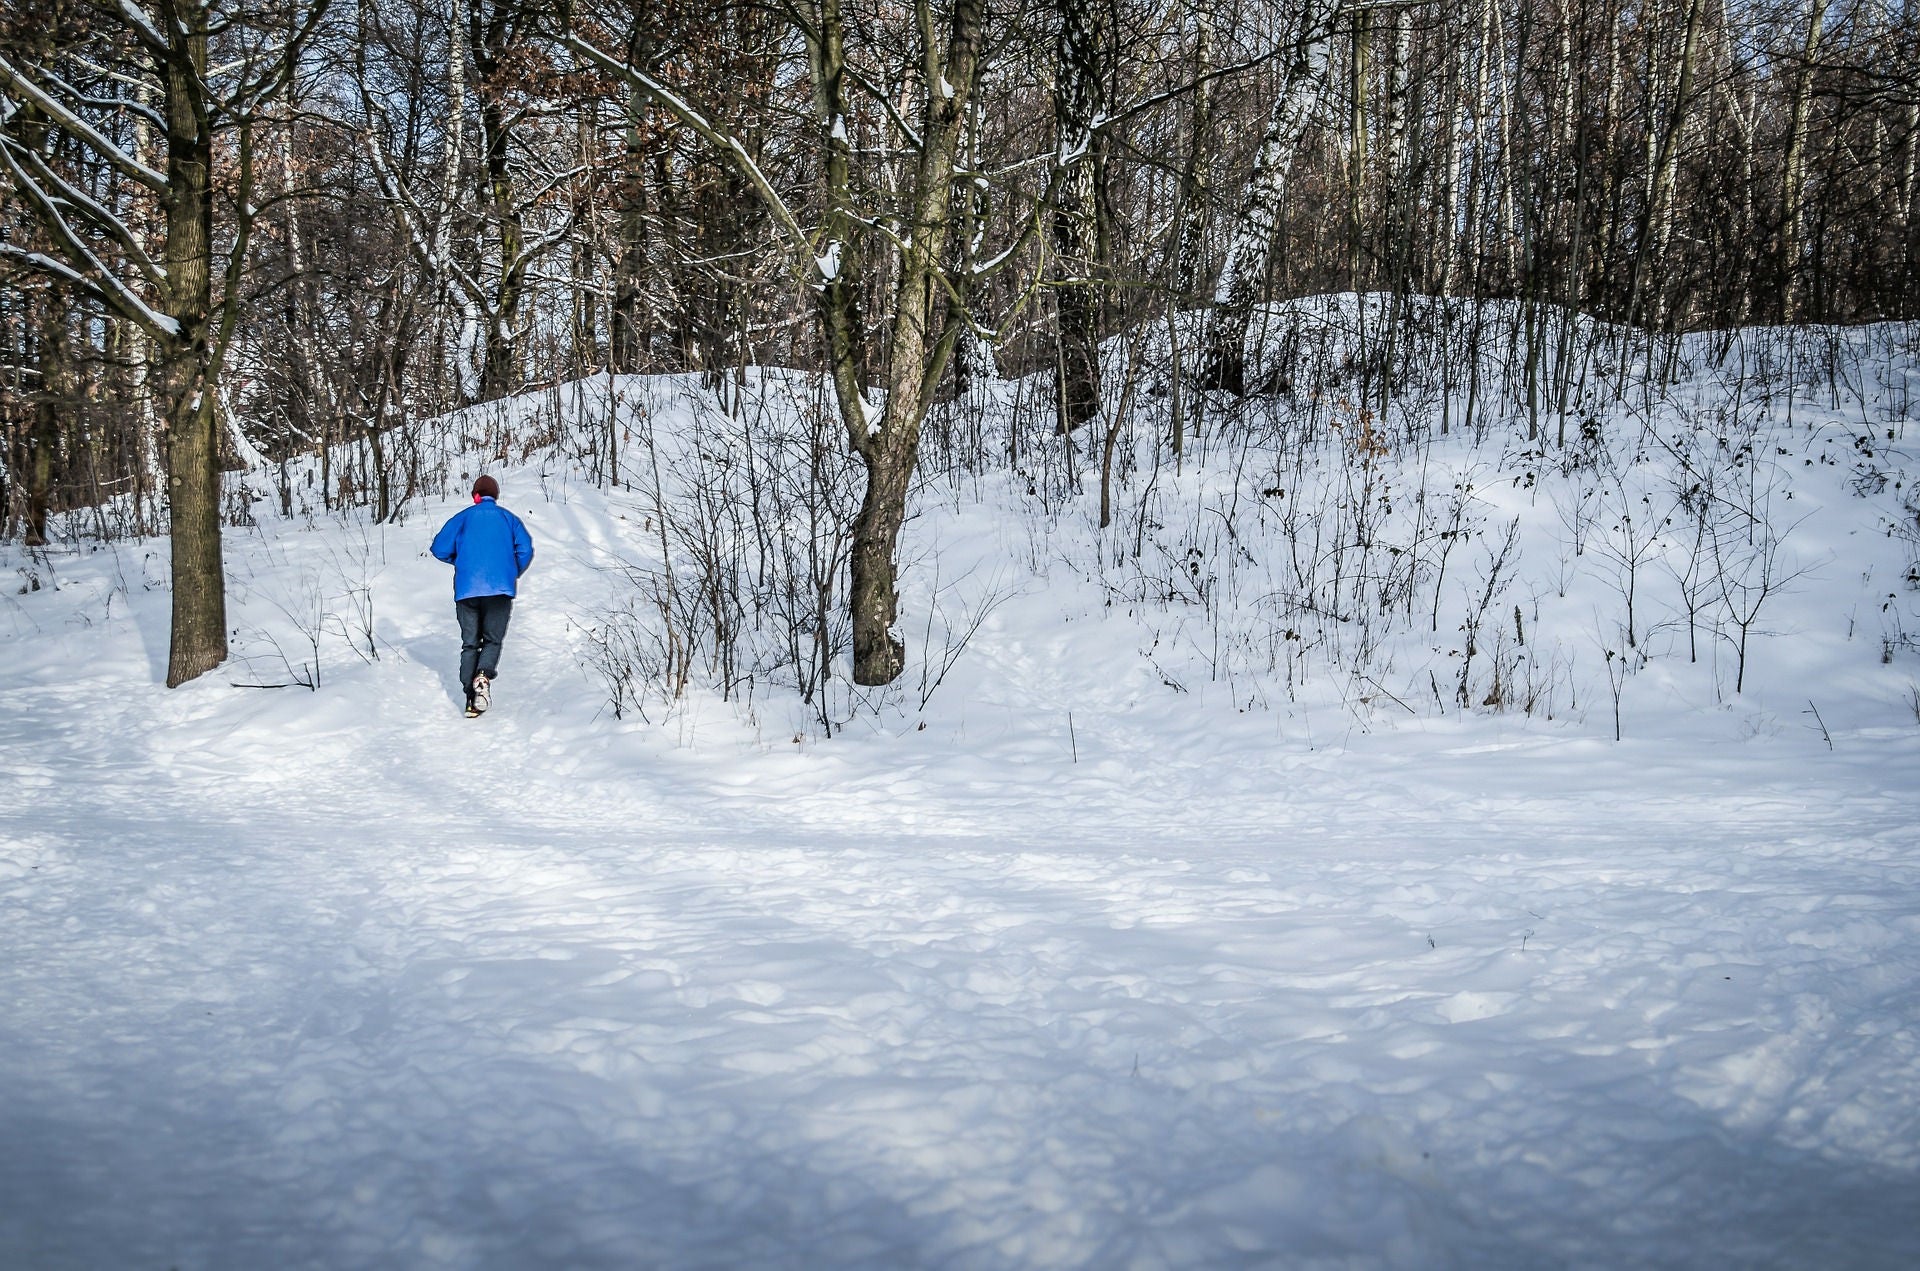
447	541
522	547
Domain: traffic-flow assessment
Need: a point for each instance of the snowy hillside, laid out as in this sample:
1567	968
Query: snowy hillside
1377	847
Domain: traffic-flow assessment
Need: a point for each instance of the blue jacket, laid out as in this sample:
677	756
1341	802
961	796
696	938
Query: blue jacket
488	548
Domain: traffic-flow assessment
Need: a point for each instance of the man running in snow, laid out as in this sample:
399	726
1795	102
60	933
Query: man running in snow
489	549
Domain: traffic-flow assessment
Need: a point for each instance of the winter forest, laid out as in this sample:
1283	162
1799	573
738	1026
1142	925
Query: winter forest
1163	635
241	234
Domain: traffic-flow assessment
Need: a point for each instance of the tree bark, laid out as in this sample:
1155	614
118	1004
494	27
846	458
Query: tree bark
43	427
187	362
1796	148
1656	225
627	344
918	353
1195	177
493	35
886	436
1243	274
1079	100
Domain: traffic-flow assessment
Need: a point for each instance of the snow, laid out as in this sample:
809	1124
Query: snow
135	17
1051	964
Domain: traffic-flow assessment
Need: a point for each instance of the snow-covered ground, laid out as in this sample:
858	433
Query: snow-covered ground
1114	952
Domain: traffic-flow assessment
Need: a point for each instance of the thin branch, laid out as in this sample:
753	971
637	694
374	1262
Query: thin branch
285	64
684	111
137	21
141	109
886	104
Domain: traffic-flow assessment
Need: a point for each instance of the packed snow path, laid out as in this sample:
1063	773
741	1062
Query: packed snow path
342	980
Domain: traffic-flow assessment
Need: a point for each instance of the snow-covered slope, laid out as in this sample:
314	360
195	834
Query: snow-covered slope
1179	914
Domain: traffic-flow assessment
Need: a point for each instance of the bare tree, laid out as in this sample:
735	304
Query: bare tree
1079	105
1242	283
1792	164
96	250
883	426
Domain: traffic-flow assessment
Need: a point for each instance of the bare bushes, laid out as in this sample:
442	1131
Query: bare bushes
1295	552
323	604
737	524
1389	520
730	569
1378	531
1326	533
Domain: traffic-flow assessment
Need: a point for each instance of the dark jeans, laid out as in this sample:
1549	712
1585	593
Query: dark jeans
483	626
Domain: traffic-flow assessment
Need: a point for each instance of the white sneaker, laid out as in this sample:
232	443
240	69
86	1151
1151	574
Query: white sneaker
482	698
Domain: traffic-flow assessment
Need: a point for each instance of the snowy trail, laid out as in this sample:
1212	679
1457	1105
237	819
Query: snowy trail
597	1036
1090	973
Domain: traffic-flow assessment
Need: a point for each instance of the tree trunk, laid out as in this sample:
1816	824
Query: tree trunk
1796	149
972	211
627	346
199	628
1243	274
888	440
1195	177
493	40
1079	99
879	654
1357	145
1656	224
43	427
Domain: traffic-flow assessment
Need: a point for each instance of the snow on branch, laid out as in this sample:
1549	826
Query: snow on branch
137	21
280	67
96	282
65	192
120	103
829	264
541	244
432	251
17	81
82	266
886	104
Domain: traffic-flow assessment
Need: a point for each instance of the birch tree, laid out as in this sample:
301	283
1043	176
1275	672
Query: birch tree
1657	217
1794	161
1196	175
1303	75
481	225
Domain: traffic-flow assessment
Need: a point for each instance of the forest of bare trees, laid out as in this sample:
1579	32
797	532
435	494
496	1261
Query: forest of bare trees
241	231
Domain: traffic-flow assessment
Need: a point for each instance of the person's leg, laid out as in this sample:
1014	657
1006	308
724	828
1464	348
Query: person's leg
471	615
497	611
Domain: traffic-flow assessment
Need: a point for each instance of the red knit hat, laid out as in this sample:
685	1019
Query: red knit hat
485	486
